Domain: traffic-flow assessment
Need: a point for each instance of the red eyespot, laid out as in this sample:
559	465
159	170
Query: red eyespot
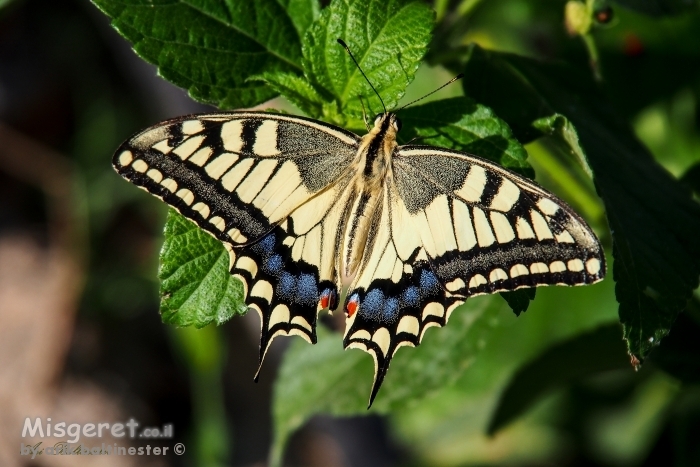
352	308
329	299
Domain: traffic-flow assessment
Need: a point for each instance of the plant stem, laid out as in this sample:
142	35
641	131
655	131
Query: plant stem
467	6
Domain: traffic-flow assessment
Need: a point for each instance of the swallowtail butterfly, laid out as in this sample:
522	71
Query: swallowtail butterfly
304	207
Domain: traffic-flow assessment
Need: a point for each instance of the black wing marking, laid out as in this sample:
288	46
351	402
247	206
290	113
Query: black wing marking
262	184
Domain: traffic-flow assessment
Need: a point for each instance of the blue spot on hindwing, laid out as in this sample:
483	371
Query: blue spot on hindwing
273	265
373	304
429	283
411	296
307	290
295	287
287	285
428	279
391	309
265	246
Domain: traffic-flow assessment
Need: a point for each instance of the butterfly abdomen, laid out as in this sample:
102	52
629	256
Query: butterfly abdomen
373	164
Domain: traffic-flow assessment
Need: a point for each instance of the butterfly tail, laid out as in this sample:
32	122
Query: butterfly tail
382	365
381	348
272	327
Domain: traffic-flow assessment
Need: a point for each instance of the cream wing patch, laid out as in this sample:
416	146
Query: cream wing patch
474	185
506	197
266	139
232	135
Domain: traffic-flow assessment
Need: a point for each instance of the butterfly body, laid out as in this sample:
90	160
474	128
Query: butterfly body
305	208
372	170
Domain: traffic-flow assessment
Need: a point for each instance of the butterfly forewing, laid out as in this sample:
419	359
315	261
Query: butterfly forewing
490	230
267	186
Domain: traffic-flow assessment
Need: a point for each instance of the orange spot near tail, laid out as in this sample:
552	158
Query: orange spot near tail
352	308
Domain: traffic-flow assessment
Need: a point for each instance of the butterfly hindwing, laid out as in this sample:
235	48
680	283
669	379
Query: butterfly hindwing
291	273
264	185
454	226
396	296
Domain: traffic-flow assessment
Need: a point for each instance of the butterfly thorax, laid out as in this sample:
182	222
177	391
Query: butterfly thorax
373	170
376	148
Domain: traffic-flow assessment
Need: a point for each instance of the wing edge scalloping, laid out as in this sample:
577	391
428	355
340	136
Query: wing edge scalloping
371	343
418	299
294	328
327	294
382	359
272	295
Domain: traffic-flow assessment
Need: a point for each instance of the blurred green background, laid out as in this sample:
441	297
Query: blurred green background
81	338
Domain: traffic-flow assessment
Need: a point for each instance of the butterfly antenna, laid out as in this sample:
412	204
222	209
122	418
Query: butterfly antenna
347	49
459	76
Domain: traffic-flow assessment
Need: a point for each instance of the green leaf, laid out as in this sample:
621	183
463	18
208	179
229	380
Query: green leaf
462	124
558	125
586	354
388	39
297	90
556	159
519	300
653	220
325	379
210	47
196	287
302	13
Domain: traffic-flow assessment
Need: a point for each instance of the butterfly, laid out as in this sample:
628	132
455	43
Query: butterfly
304	207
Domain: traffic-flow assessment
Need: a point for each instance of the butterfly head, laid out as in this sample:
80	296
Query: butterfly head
386	123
